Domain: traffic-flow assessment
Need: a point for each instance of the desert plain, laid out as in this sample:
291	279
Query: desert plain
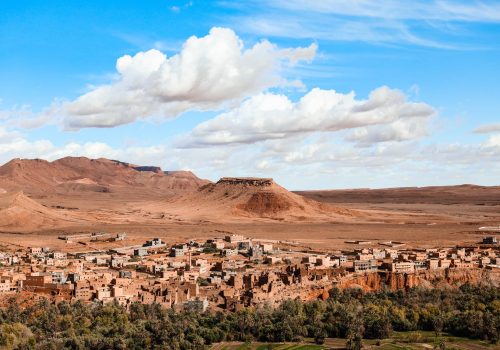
41	200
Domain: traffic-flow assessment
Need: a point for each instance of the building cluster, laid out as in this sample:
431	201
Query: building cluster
228	272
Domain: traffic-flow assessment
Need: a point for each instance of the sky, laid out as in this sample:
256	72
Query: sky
315	94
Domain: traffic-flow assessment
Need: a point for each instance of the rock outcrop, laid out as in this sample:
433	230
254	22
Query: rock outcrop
239	198
446	278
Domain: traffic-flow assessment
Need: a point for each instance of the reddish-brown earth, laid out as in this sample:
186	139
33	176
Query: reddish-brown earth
81	176
80	194
243	199
444	278
445	195
20	213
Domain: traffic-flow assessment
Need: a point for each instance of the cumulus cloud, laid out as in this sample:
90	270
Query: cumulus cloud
386	115
204	75
494	141
403	129
15	145
24	116
7	136
298	162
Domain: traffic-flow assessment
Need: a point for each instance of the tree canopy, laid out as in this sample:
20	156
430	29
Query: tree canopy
469	311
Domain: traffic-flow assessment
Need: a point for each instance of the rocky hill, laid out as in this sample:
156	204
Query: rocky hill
237	198
80	175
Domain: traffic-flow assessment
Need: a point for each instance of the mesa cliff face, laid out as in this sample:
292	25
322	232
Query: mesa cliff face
446	278
266	203
246	181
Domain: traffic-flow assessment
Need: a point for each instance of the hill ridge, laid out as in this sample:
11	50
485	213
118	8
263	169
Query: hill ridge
79	175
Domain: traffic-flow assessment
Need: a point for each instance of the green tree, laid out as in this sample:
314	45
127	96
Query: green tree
16	336
355	328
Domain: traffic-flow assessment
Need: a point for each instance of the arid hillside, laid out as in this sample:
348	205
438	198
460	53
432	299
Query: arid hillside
80	194
73	176
253	198
109	192
20	213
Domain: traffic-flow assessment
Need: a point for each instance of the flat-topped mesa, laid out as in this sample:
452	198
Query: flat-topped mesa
154	169
246	181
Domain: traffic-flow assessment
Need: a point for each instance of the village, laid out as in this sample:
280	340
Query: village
225	273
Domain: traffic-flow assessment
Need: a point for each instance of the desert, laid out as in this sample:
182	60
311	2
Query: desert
85	195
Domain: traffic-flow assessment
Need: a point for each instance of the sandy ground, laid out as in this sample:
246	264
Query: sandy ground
329	236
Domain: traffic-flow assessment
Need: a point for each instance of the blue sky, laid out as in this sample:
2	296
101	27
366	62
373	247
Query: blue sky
329	94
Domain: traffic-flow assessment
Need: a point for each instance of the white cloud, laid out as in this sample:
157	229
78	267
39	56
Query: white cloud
298	162
488	128
15	145
271	116
207	73
24	116
494	141
16	112
477	11
7	136
325	27
178	8
402	129
379	22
